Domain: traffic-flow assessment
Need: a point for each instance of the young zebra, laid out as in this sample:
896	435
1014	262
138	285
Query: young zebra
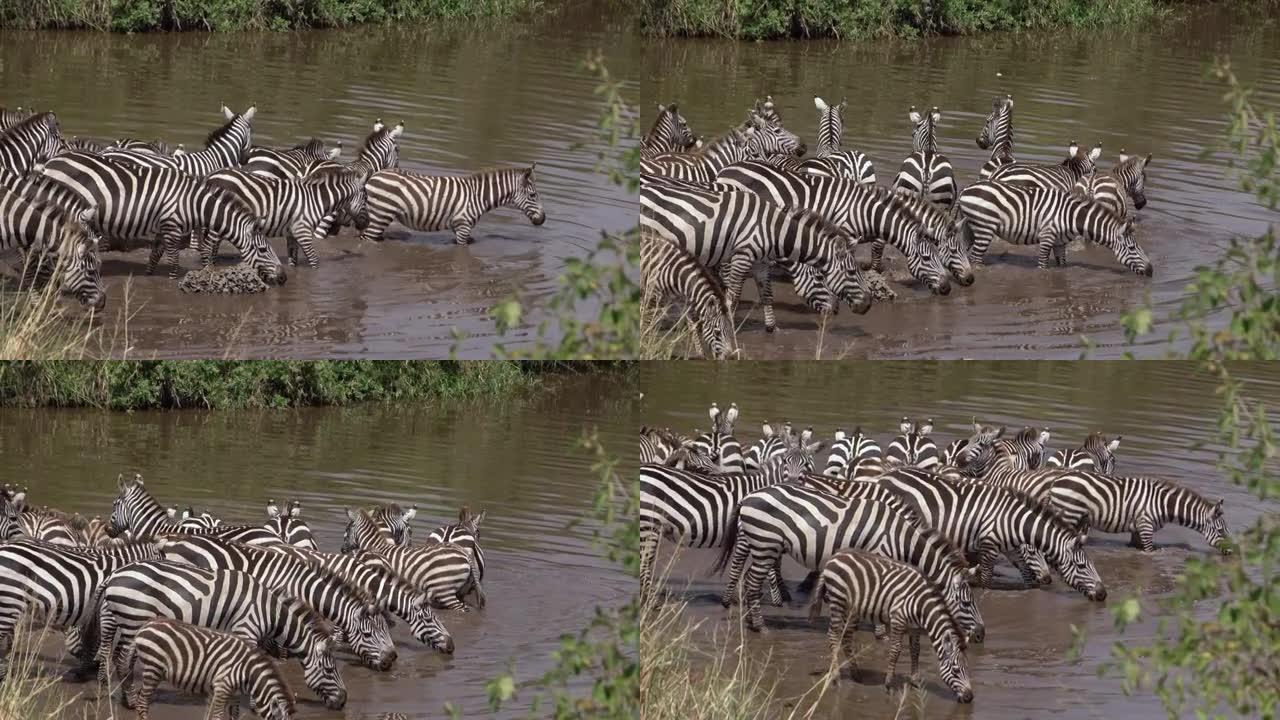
719	442
670	133
224	148
291	163
997	136
163	207
436	202
1096	453
863	211
758	139
357	619
847	450
1119	189
669	272
1061	177
1032	215
925	173
206	662
738	232
913	447
218	600
30	142
862	586
1139	506
445	573
56	245
299	209
693	509
289	526
989	520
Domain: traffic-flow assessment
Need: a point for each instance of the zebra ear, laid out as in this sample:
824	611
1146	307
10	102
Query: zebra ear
410	513
1146	161
1096	152
295	509
397	130
377	125
840	435
914	116
905	425
937	116
1217	507
927	427
1073	149
820	104
1123	157
248	114
1111	446
477	519
273	510
352	514
226	113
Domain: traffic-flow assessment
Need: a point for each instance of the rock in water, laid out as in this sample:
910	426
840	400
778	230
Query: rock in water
235	280
880	289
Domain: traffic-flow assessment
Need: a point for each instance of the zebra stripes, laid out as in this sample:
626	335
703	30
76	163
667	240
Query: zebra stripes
669	272
56	245
848	449
947	228
224	148
291	163
719	443
465	534
913	447
188	519
830	125
445	573
670	133
829	160
1095	453
758	139
29	142
1139	506
768	446
1062	176
862	586
997	136
9	118
1049	218
206	662
289	526
1118	190
436	202
925	173
1024	451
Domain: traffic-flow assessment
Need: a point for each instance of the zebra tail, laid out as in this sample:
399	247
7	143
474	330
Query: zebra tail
815	605
726	545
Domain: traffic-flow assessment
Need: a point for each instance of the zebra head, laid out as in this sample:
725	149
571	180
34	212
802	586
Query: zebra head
1132	174
1034	568
1102	452
130	501
288	525
367	634
426	626
998	129
1118	235
1082	164
313	638
1205	517
11	514
81	268
958	592
975	454
1064	550
842	274
770	138
952	666
187	519
525	196
671	129
236	136
809	286
278	707
924	130
830	124
255	251
381	148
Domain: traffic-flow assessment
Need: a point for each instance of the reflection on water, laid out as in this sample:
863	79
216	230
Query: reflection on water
1142	90
1021	670
471	98
516	460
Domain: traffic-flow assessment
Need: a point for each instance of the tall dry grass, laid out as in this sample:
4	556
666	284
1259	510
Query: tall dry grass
31	691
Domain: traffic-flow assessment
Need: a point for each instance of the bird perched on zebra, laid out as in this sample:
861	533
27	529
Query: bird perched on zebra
438	202
926	173
668	271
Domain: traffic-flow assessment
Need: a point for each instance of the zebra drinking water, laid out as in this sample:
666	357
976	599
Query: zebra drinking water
670	272
436	202
56	245
925	173
1139	506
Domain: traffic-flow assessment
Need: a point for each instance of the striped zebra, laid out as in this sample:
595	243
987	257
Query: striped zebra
863	211
445	573
848	449
669	272
224	148
47	525
218	600
863	586
30	142
393	519
828	159
997	136
188	519
1096	453
947	228
913	447
770	445
300	209
57	583
1139	506
163	207
465	534
989	520
926	173
1062	176
1024	451
719	443
9	118
374	575
660	445
289	526
291	163
670	133
134	510
154	147
1031	215
56	246
759	139
738	232
1120	189
693	510
206	662
358	621
437	202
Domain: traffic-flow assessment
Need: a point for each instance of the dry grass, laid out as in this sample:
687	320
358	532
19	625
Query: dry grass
661	339
32	692
46	325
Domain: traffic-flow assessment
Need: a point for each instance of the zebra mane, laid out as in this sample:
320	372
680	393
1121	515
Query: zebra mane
1174	487
809	217
663	113
362	596
221	132
884	194
313	146
1029	502
47	119
734	136
1134	163
312	619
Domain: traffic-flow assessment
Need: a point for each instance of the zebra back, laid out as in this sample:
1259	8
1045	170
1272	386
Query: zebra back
913	447
289	526
1096	453
29	142
830	126
1061	176
225	147
9	118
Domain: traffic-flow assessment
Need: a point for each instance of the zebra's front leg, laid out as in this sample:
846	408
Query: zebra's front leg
648	555
1144	532
896	630
1060	254
157	250
462	231
916	679
301	234
877	253
173	249
735	276
218	703
764	287
1046	240
987	553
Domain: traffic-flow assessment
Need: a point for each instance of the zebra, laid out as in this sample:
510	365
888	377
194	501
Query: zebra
358	621
465	534
371	572
207	662
56	245
163	206
860	585
437	202
1139	506
667	448
693	509
224	148
136	511
289	526
668	271
9	118
1025	450
291	163
863	211
926	173
1033	215
30	142
758	139
997	136
155	147
848	449
380	151
829	160
46	525
299	209
188	519
217	600
767	447
1096	453
990	520
913	447
739	232
445	573
670	133
393	519
1119	189
947	228
1062	176
719	443
57	583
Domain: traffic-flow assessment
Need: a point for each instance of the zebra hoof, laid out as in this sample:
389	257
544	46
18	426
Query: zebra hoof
770	328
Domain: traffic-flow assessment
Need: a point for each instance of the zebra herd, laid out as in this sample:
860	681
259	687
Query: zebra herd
63	198
895	537
157	595
746	203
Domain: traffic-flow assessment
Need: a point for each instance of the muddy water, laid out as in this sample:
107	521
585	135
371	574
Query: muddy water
1021	670
513	459
1142	90
471	98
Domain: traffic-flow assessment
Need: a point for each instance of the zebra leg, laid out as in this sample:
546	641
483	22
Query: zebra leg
107	628
301	234
735	276
1046	240
1018	558
757	568
778	586
896	630
835	639
877	253
764	287
987	552
1145	533
143	692
157	249
173	248
915	658
291	248
736	562
218	703
462	231
648	555
1060	254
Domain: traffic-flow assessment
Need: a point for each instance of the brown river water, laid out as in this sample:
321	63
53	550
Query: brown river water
1022	670
515	459
1144	90
471	98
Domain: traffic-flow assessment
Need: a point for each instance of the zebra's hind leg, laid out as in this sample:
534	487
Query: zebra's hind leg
122	660
896	630
1145	533
779	586
764	287
218	703
1046	241
462	231
915	658
157	250
736	562
877	254
173	249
